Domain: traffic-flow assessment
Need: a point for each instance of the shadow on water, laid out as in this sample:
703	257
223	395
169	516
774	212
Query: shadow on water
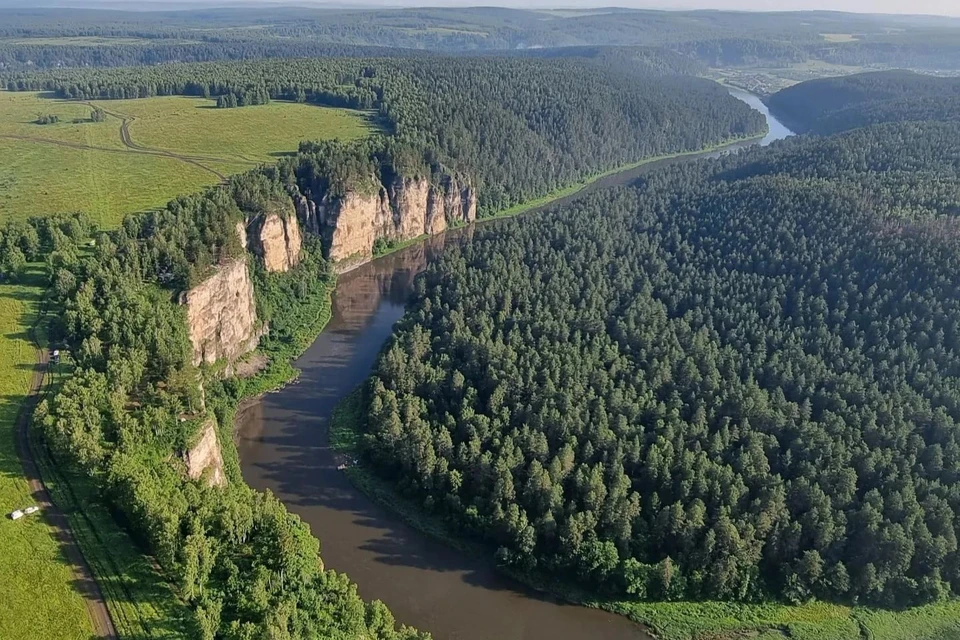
283	445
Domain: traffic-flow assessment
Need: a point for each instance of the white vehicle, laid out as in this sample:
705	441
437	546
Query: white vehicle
31	510
16	515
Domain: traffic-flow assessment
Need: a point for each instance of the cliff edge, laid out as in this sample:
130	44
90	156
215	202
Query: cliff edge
404	209
276	238
205	455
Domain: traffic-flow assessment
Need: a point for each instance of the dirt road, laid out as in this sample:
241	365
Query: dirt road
96	605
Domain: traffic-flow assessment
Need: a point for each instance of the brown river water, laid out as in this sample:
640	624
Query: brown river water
282	439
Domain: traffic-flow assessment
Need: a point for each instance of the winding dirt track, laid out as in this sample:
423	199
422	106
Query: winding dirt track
86	584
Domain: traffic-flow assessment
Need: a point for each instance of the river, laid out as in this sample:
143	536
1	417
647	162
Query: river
282	440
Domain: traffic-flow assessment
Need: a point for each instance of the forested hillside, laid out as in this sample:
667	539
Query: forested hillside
518	128
736	380
832	105
134	402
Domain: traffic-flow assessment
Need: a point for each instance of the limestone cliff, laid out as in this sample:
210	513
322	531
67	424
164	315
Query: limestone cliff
276	238
205	455
401	210
222	314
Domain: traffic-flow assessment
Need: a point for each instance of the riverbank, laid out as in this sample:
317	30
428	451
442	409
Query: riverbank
280	371
577	187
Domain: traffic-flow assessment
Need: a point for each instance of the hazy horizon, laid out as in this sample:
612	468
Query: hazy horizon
917	7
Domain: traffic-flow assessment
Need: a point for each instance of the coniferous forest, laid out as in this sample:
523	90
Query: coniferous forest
734	380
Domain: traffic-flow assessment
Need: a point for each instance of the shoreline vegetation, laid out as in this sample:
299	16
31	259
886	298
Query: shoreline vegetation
577	187
679	620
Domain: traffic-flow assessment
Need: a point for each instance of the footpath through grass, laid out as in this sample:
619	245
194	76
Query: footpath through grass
37	587
142	604
37	593
668	620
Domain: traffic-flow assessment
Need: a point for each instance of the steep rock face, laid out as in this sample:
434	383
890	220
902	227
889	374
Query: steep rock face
277	240
222	314
405	209
206	455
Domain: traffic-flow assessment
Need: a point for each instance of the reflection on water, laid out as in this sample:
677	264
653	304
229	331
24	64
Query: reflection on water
283	447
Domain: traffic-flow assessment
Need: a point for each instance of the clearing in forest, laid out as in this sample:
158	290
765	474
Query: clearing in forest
144	152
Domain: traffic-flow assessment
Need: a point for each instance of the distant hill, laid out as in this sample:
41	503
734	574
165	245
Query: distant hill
832	105
34	36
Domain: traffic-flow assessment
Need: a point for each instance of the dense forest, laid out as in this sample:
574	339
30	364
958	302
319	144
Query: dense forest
517	127
734	380
832	105
66	37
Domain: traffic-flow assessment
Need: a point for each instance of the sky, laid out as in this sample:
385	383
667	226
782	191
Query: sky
933	7
930	7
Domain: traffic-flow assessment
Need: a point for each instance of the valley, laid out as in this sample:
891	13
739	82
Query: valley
283	359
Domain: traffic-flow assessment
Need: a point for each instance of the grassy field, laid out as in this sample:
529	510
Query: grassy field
252	134
669	620
39	600
38	179
182	147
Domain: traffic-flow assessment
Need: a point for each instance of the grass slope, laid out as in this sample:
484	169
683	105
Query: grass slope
38	179
36	584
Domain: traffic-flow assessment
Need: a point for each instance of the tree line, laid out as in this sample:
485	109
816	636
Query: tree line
715	38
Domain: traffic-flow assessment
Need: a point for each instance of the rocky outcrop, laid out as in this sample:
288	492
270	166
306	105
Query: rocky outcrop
205	457
277	240
406	208
222	314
